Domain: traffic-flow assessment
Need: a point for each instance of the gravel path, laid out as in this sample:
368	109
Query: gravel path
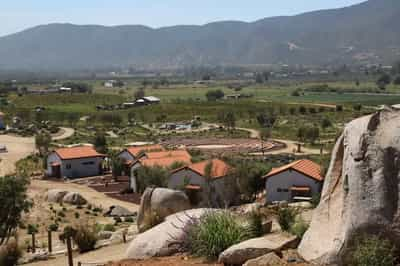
18	148
64	133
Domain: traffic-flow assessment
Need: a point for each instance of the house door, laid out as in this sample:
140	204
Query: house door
194	194
56	170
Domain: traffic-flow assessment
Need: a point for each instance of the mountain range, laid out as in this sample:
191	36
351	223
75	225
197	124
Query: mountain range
362	33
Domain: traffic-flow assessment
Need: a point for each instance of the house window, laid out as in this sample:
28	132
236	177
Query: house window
280	190
68	166
88	163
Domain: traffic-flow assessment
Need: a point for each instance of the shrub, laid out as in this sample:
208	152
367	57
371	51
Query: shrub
109	227
97	209
373	250
53	227
255	227
286	217
61	214
85	238
128	220
117	220
77	215
214	233
10	254
316	198
299	228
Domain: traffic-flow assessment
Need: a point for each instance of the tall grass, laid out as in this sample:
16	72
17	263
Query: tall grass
214	233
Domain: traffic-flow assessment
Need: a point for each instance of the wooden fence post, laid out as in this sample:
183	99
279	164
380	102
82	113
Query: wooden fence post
33	243
69	247
49	240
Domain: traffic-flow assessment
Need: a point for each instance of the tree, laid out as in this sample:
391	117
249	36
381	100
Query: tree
151	176
325	123
266	76
42	142
139	93
259	78
213	95
100	142
14	202
78	87
357	107
301	133
265	134
265	120
396	81
312	134
383	81
230	120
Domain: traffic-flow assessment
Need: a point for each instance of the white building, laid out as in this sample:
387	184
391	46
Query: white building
75	162
297	181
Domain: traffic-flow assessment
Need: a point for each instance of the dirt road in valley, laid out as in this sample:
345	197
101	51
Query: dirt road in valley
17	148
64	133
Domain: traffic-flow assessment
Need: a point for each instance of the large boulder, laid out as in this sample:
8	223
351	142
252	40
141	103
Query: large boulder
158	203
118	211
164	239
361	190
55	195
256	247
74	198
271	259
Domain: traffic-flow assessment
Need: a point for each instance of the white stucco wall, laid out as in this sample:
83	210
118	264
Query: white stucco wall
286	180
82	167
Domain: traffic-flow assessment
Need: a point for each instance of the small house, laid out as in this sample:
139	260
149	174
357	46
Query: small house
148	100
165	159
204	190
133	153
297	181
75	162
2	122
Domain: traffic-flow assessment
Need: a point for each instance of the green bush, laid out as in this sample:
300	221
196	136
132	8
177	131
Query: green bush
85	238
128	220
255	227
10	254
299	228
77	215
373	251
214	233
286	217
117	220
109	227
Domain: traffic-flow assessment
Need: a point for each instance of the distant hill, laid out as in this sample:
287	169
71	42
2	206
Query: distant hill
367	32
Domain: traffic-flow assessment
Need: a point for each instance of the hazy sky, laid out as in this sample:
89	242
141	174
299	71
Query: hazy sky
16	15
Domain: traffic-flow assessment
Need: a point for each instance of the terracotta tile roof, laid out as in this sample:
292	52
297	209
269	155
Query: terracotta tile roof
166	154
306	167
165	162
219	168
77	153
135	151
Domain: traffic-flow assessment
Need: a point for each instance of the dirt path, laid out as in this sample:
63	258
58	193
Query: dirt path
291	146
92	196
102	255
17	148
64	133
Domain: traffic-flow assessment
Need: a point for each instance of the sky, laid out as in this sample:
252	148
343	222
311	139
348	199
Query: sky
17	15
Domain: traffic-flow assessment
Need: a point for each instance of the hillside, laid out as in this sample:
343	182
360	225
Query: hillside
366	32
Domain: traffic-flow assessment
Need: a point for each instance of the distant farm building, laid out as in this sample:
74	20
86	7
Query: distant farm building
297	181
133	153
201	186
75	162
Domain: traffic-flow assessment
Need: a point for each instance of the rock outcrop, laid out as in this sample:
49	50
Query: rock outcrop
158	203
361	190
118	211
256	247
55	195
164	239
74	198
271	259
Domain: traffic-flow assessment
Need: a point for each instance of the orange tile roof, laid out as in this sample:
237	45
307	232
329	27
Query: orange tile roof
77	153
164	162
219	168
135	151
165	154
306	167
